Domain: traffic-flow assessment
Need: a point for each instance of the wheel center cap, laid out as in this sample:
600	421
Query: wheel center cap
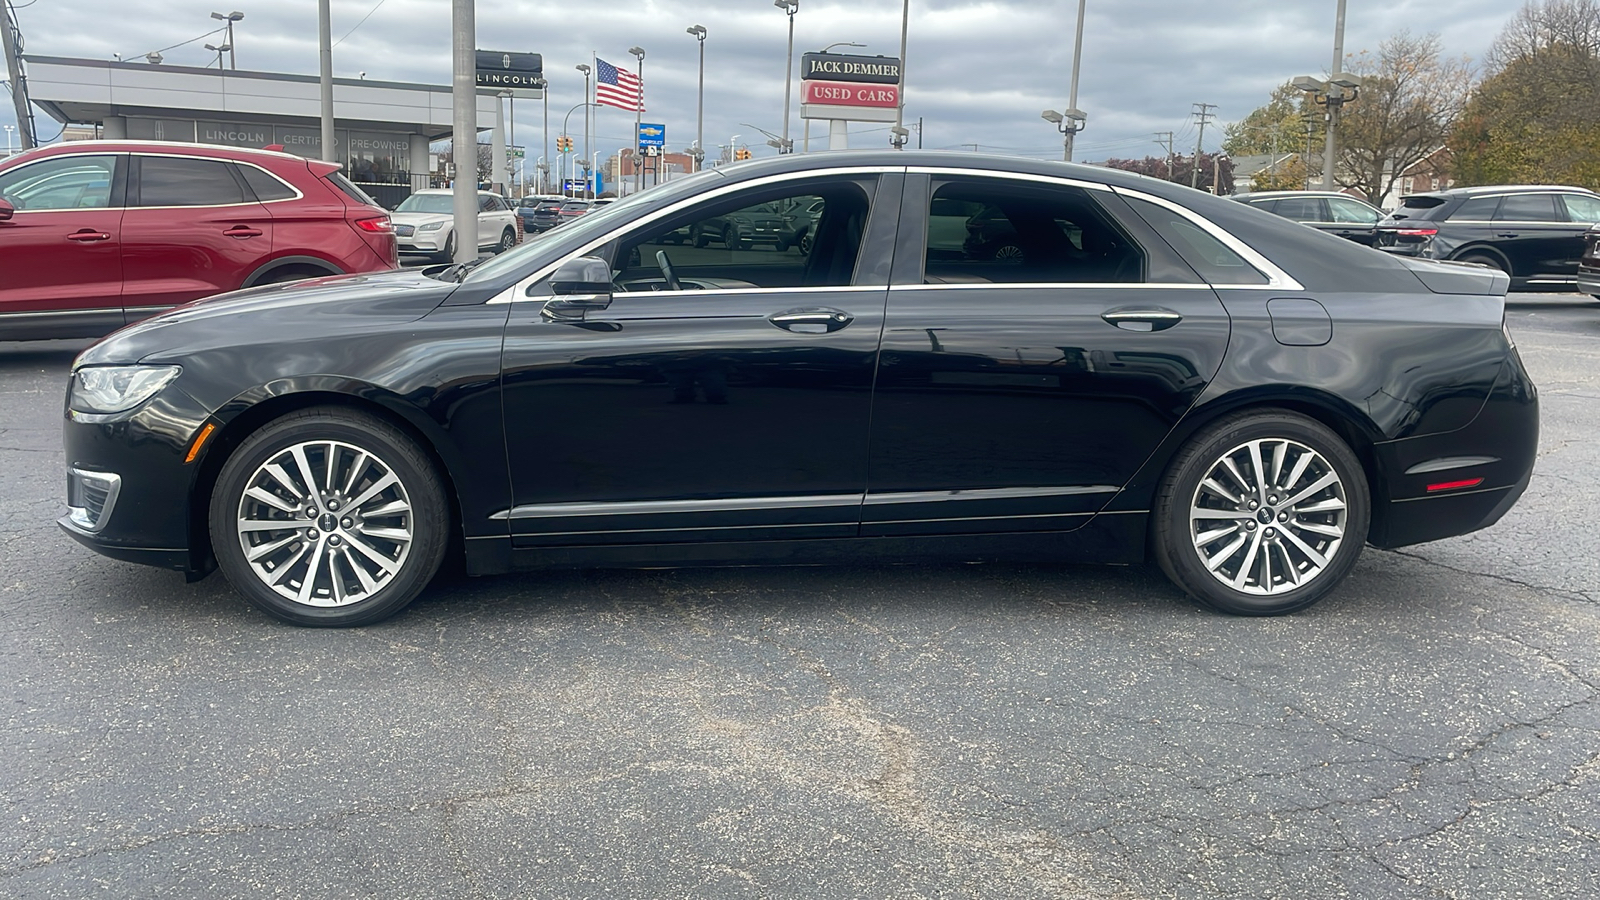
330	522
1264	516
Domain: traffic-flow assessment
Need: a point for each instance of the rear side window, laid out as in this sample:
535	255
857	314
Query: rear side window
265	186
176	181
983	231
1301	209
1478	209
1528	208
1210	257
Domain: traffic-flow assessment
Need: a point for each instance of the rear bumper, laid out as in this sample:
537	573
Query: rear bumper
1496	450
1589	280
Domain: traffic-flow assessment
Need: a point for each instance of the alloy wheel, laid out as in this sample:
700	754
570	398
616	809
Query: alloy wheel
1268	517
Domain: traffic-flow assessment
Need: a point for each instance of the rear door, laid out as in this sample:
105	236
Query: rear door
60	252
1020	392
1533	233
193	228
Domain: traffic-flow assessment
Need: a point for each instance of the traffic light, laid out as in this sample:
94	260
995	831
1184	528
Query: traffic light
564	144
742	153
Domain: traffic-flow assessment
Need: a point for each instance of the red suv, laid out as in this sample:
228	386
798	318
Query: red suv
97	234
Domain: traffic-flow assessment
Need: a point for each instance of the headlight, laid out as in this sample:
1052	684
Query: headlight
430	226
102	390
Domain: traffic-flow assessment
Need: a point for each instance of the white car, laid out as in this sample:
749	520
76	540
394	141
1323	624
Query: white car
425	223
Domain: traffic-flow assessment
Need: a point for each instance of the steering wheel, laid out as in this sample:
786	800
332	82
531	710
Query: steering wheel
666	271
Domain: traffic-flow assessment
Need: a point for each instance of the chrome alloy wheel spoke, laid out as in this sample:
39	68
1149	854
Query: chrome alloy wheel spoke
325	523
1283	525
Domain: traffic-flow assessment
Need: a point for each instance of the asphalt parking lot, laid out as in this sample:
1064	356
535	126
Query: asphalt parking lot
1430	731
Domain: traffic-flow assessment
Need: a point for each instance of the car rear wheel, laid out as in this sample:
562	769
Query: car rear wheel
329	517
1008	253
700	237
1261	514
805	244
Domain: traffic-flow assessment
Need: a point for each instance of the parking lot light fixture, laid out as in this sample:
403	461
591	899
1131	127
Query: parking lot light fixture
230	18
790	7
219	50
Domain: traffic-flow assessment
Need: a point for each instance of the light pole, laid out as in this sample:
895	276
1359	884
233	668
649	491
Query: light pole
1069	123
584	68
565	120
638	110
898	134
790	7
219	51
841	44
230	18
1073	118
511	144
699	155
1331	95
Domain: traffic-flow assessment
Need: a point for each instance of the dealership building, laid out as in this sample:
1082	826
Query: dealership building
382	129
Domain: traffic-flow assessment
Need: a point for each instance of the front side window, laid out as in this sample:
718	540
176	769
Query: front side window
66	182
792	237
1350	211
176	181
1582	207
1301	209
995	232
1528	208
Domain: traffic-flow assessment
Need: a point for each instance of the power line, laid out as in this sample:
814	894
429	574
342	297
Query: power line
360	23
175	46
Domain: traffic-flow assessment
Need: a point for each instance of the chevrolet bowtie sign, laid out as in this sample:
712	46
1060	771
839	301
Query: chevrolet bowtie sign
842	67
520	73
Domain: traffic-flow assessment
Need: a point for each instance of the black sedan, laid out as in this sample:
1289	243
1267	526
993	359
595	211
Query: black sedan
1155	373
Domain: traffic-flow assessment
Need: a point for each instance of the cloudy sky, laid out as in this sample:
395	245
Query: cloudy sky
978	71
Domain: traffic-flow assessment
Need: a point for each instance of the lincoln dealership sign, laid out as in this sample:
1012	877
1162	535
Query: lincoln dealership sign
841	67
520	73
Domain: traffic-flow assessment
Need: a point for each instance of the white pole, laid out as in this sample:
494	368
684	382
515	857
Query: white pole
464	127
325	52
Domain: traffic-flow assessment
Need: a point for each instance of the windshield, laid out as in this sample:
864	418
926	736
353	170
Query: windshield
427	203
602	219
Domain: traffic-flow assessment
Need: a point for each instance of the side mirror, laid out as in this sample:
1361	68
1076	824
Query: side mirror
579	285
6	209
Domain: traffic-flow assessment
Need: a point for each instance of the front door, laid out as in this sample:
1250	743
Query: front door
724	393
1027	375
60	252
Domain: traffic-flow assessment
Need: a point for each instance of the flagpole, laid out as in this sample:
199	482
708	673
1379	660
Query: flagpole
588	129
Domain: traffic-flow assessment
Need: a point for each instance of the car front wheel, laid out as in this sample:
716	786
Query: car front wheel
1261	514
508	240
329	517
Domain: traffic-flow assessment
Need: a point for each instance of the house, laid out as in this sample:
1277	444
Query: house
1431	173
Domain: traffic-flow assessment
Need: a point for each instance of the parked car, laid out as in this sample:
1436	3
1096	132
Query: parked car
572	209
424	223
540	213
800	221
761	224
1589	265
1330	211
97	234
1534	233
1177	382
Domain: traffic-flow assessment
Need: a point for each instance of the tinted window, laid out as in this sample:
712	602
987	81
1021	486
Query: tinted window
1210	257
1413	205
1478	209
1014	233
1528	208
170	181
266	187
1582	207
349	189
1301	209
69	182
1352	211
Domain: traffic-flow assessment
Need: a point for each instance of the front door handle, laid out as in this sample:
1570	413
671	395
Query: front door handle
87	235
242	231
811	320
1130	318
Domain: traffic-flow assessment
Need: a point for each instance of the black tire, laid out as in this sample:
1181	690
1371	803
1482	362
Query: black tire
730	239
448	254
805	244
284	276
508	239
368	448
1485	259
1176	538
699	236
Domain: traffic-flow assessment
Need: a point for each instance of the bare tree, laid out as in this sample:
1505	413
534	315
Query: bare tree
1410	97
1544	24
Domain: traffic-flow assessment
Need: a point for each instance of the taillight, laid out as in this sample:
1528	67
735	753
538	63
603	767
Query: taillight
376	225
1418	232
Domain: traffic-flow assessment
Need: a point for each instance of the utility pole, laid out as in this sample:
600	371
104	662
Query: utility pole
898	134
11	36
1203	114
1072	102
1333	108
790	7
1168	144
464	126
325	52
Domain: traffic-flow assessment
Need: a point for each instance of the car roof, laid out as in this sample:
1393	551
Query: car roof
451	192
1273	195
1497	189
69	148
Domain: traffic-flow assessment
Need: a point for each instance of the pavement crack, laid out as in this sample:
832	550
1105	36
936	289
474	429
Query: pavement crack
1563	592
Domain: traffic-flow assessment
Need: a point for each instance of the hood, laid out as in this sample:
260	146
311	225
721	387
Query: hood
420	218
1452	277
319	306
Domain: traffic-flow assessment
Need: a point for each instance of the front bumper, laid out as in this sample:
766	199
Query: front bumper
426	242
1589	280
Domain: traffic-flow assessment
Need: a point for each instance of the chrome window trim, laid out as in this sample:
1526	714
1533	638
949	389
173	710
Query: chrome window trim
517	290
1057	285
1277	279
221	159
1015	176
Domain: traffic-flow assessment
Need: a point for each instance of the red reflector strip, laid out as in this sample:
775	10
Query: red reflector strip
1454	485
1418	232
380	225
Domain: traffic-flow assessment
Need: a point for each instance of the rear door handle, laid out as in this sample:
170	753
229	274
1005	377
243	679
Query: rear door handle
1505	234
88	235
242	231
1131	318
811	320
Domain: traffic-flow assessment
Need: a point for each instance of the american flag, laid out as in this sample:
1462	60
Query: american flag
617	87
